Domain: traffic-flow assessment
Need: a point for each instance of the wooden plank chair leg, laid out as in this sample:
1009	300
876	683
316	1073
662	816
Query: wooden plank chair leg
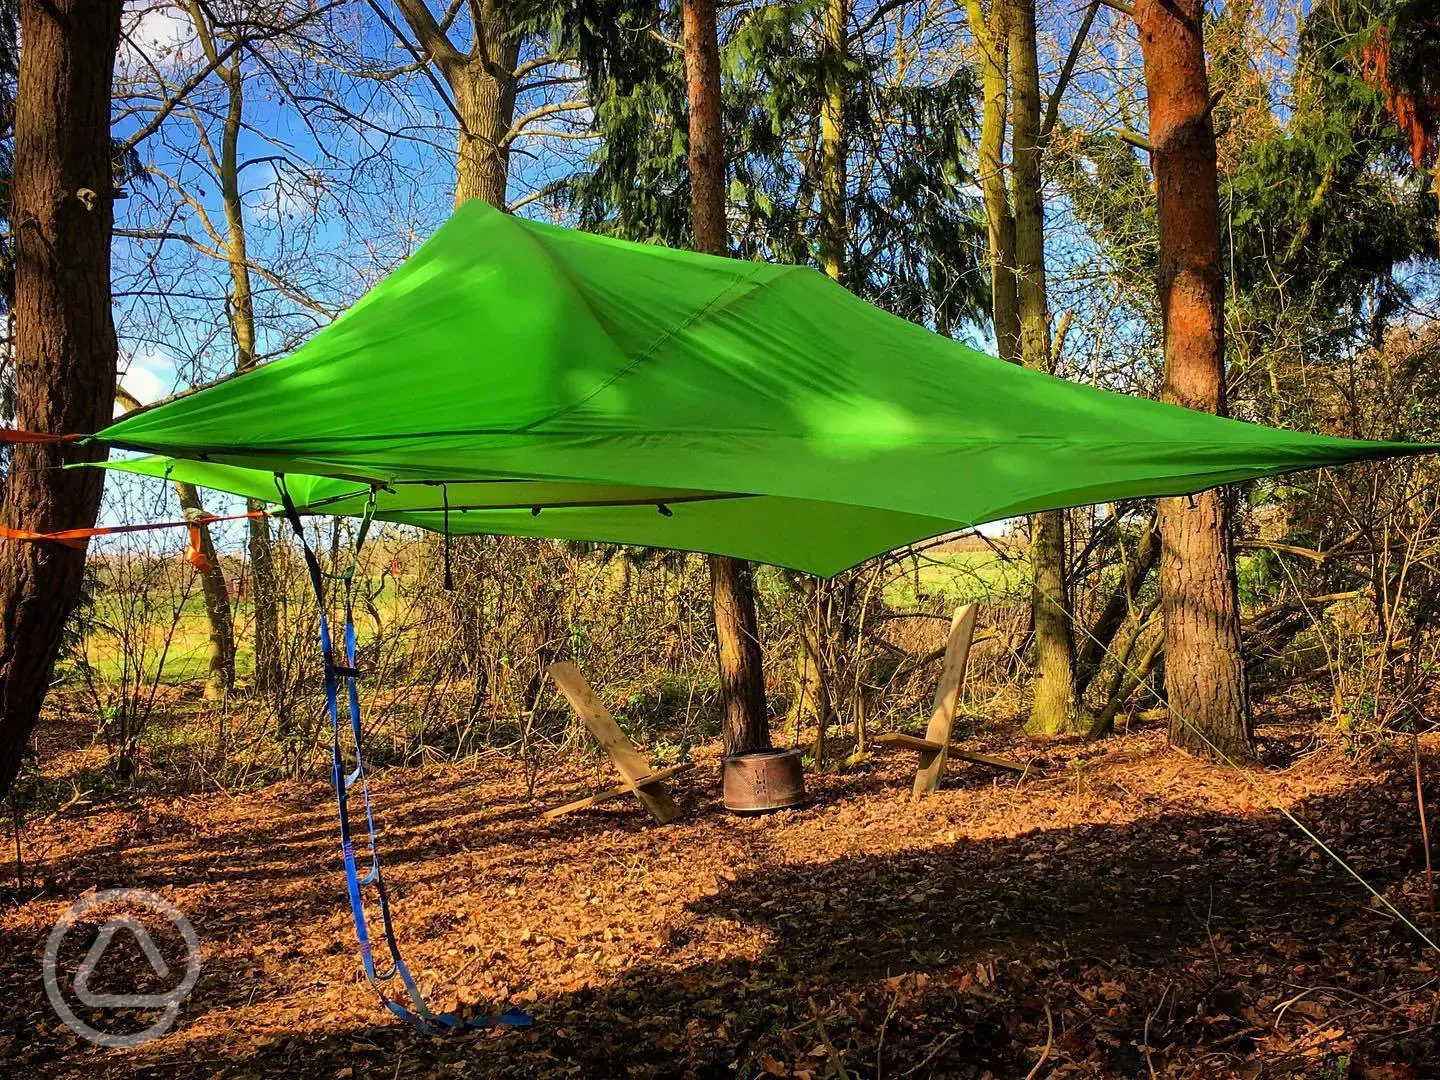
947	700
650	784
627	758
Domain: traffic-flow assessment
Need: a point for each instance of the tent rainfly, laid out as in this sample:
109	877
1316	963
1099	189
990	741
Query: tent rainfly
548	382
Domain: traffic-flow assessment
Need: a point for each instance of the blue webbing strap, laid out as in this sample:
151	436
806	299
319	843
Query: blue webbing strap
418	1013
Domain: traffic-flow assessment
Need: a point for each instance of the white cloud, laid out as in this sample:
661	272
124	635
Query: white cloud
158	34
149	376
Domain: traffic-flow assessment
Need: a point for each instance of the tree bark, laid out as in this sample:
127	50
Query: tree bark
707	139
485	96
737	639
1204	667
482	83
832	140
1056	707
737	633
991	37
1117	608
220	663
240	307
264	592
65	351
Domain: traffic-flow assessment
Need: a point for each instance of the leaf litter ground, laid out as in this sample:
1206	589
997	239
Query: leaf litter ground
1133	913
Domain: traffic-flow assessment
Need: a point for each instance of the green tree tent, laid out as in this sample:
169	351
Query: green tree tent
548	382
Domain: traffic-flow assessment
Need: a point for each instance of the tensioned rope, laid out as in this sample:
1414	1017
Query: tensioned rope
15	435
77	537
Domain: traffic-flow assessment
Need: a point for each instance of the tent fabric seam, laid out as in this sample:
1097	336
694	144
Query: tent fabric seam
748	283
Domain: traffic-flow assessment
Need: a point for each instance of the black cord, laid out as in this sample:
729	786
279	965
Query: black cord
445	495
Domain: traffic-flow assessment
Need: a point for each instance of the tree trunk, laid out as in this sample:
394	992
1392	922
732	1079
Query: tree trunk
485	97
990	36
264	592
707	140
1204	668
1117	608
240	306
220	665
832	141
737	633
1055	708
482	83
737	639
63	214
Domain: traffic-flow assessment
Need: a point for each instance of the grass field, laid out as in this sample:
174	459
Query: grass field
960	577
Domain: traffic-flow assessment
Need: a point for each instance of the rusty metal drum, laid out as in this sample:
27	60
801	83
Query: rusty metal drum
759	780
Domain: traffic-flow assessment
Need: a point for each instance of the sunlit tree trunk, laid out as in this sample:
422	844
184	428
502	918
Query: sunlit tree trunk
737	632
64	348
1055	707
834	233
264	592
1204	667
482	84
220	661
485	96
991	37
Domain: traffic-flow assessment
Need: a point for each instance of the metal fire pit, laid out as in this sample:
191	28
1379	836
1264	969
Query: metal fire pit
759	780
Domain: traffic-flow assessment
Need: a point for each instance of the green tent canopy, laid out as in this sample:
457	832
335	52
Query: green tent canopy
549	382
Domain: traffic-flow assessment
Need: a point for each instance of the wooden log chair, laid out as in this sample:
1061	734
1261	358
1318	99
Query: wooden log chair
632	765
935	748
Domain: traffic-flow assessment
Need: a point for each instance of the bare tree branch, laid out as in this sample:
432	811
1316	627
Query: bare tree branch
1052	107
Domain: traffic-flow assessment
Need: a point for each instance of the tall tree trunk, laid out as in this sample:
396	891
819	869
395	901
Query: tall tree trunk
265	590
834	233
63	215
991	36
1204	668
1056	707
240	306
220	663
737	632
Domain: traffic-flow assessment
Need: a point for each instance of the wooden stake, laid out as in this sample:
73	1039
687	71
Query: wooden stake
947	700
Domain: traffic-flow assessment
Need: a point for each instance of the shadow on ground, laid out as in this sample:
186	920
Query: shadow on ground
1182	943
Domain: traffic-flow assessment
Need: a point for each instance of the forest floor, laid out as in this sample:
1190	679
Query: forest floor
1132	913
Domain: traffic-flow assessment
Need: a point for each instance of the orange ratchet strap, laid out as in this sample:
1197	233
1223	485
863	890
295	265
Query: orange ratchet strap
76	537
15	435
